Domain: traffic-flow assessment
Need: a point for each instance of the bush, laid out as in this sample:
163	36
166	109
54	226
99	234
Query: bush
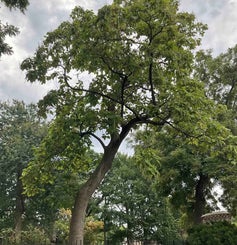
30	236
8	235
219	233
34	235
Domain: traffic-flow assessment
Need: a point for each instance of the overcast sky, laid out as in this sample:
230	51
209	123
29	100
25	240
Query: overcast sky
43	16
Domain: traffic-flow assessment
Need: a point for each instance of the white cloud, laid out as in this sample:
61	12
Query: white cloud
221	18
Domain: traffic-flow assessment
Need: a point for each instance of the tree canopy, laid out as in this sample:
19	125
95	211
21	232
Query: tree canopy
190	170
21	131
219	76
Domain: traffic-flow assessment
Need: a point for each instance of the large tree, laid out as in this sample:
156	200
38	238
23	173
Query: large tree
10	30
125	66
21	131
191	171
188	172
219	76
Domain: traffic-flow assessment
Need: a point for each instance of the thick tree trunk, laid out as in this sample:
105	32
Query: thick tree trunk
200	200
84	194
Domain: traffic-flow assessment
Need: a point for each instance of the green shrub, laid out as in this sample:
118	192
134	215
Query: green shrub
8	235
219	233
34	235
30	236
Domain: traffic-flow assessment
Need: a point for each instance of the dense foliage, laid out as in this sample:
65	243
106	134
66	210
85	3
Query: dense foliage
219	233
190	169
132	208
16	4
21	130
219	76
187	172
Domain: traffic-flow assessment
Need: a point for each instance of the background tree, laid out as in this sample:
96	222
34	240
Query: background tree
191	171
219	75
10	30
21	131
139	57
44	210
188	172
133	209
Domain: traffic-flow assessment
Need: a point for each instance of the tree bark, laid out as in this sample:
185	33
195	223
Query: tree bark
200	200
84	194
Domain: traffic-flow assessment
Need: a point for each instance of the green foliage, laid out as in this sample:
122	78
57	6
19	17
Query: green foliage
66	169
30	236
112	47
181	159
132	208
21	131
34	235
185	170
93	228
61	225
219	233
219	75
16	4
10	30
138	59
6	30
